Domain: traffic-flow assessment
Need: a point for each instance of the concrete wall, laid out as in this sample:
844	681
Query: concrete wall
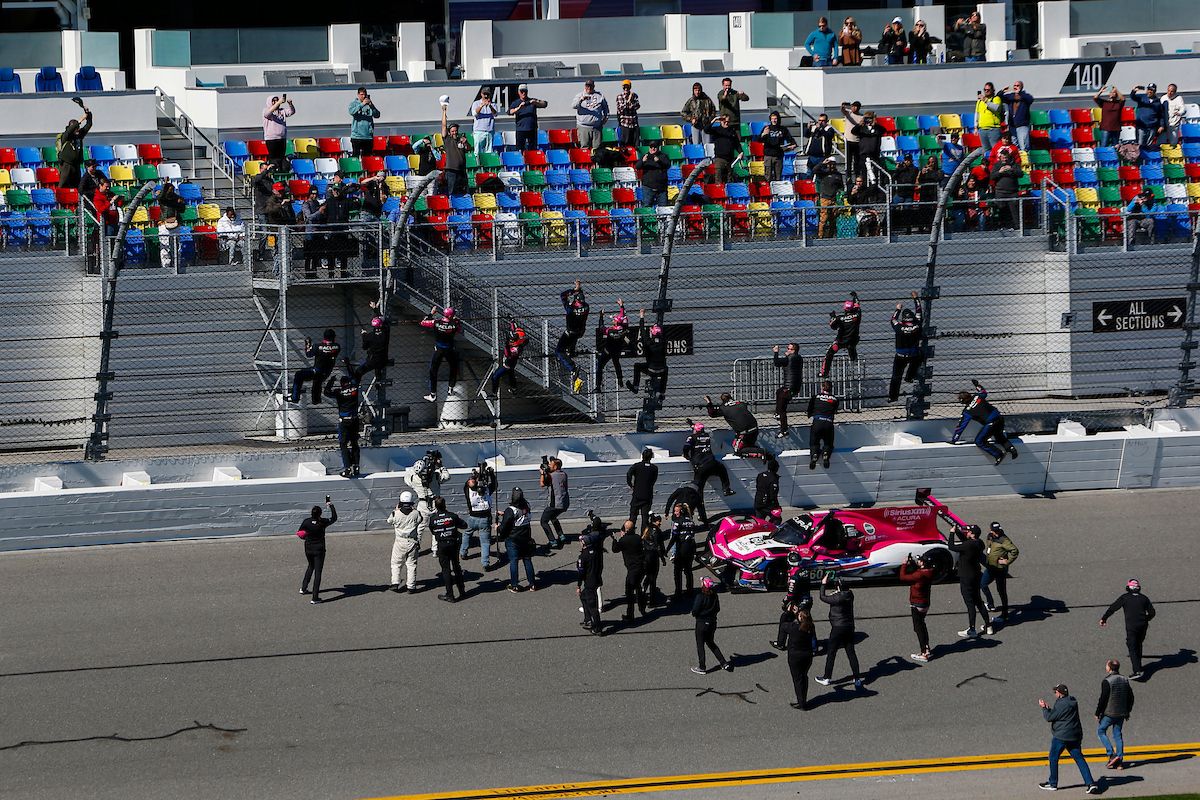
119	117
1054	35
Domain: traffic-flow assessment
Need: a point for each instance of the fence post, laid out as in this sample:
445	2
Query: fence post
284	247
1185	388
546	360
446	282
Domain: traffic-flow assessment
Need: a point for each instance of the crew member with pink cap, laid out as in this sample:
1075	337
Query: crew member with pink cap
654	350
445	327
847	325
1138	613
375	345
698	449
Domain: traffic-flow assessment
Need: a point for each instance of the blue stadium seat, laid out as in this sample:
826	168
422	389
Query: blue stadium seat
463	204
10	81
1061	139
811	216
558	179
42	233
102	154
29	157
391	206
968	121
737	193
237	150
554	200
16	229
190	193
1107	156
693	153
48	80
320	184
757	128
43	199
675	175
1086	178
135	247
1152	174
928	123
1060	119
559	158
397	165
1152	156
512	159
88	80
787	221
581	178
506	202
303	169
576	220
908	145
461	230
1191	151
624	224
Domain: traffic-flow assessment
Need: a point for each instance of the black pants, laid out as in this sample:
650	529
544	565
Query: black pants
903	367
314	253
348	430
316	563
834	349
634	591
709	468
841	639
527	140
369	364
447	556
973	599
318	379
1134	638
361	147
550	518
651	374
508	366
1008	210
999	576
641	507
652	566
994	430
338	246
450	356
799	662
783	396
275	151
919	627
605	357
706	630
591	606
820	439
565	351
685	554
853	162
628	137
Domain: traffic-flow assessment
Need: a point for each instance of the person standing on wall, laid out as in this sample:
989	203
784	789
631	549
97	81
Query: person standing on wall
640	479
363	114
455	148
524	112
822	408
699	111
312	531
347	396
906	324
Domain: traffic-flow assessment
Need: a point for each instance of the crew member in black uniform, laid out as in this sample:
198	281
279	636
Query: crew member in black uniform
970	576
698	449
847	325
375	344
745	427
445	327
841	633
347	396
683	538
705	609
766	491
654	558
1138	612
907	325
324	356
590	568
796	637
611	341
515	340
822	407
312	531
629	545
447	530
991	423
576	309
654	351
792	365
641	478
691	494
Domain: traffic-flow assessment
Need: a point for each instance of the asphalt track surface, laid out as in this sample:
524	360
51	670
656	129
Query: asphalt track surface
195	670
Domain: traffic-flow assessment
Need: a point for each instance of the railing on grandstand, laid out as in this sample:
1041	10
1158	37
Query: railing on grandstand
354	252
65	231
755	380
1074	225
221	161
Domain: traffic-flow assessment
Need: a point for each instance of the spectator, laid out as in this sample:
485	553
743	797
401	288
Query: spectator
554	478
727	146
654	166
1006	176
87	182
989	113
1066	734
870	138
955	42
920	43
107	206
775	141
1150	119
1138	611
363	114
970	205
953	152
484	114
867	201
830	184
591	112
455	147
525	111
893	44
699	111
230	233
919	576
1017	103
278	209
929	180
1140	224
70	149
974	37
850	41
314	239
729	101
1112	709
170	202
1173	107
1110	116
999	554
515	531
851	112
628	105
275	125
904	191
641	478
823	45
820	141
1005	145
167	228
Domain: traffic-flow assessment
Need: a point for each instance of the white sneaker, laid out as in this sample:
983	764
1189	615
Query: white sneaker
989	630
823	681
919	657
699	671
431	397
969	633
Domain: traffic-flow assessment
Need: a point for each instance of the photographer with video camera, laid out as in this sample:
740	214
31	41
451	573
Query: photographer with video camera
517	534
425	479
478	491
554	478
919	575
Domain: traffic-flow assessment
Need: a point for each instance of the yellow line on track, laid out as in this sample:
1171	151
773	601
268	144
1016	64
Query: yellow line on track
782	775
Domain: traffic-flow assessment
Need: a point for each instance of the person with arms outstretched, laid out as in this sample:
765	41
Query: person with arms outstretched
576	309
445	327
907	325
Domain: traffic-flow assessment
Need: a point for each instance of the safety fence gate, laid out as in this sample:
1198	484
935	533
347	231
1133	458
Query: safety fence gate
755	380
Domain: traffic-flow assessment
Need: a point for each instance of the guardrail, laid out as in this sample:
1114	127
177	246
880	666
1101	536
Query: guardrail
755	380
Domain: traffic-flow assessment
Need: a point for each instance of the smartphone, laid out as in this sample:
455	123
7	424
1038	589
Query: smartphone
328	499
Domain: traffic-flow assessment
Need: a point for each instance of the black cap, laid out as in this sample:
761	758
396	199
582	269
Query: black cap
996	527
1061	689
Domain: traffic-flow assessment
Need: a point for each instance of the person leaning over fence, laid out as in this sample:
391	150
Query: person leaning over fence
991	423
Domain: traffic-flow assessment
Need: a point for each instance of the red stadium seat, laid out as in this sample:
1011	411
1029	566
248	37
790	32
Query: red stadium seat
1082	116
1062	157
739	219
150	153
155	212
709	171
971	141
631	156
601	225
561	137
805	190
205	237
756	149
257	149
1039	140
482	223
581	157
1064	178
760	190
298	188
1130	191
1192	170
372	164
693	221
532	201
47	177
1130	174
8	158
67	198
625	197
1038	176
1113	224
579	199
1083	136
1128	115
379	145
329	146
536	159
888	124
438	204
399	145
483	177
715	192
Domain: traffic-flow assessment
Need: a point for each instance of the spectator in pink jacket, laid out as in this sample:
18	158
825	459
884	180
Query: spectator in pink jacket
275	115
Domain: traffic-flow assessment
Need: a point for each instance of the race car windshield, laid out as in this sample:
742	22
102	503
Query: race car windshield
792	534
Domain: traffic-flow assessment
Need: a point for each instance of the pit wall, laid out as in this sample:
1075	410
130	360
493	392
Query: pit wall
267	494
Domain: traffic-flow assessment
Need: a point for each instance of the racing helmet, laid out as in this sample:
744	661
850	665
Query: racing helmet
698	427
377	322
793	559
448	312
1133	585
407	498
848	305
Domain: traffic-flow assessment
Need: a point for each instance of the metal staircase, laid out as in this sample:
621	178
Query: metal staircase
202	161
429	277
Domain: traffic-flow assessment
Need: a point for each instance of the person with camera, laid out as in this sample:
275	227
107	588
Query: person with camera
71	150
312	531
640	479
445	327
447	536
275	129
841	633
363	114
524	110
478	491
964	540
554	478
629	545
822	408
455	148
425	479
348	397
483	112
698	449
776	140
999	553
796	637
590	569
407	521
654	557
576	308
515	531
919	575
324	356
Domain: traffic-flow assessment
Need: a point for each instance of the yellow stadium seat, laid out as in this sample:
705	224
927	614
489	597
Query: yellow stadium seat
395	184
761	221
1087	198
1096	114
209	213
437	140
555	227
252	168
757	170
141	217
485	203
672	193
414	161
305	148
1025	160
672	134
121	174
1172	153
1193	191
950	122
5	179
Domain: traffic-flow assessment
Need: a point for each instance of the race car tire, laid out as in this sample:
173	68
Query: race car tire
776	579
942	561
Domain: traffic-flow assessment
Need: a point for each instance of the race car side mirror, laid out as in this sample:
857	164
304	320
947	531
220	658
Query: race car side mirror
923	496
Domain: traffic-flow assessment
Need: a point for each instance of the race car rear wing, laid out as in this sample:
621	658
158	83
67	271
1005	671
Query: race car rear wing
925	498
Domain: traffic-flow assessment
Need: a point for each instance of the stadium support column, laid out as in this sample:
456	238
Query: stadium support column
918	403
654	388
1185	389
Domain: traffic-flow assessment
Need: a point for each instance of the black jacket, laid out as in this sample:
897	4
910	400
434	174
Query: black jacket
970	557
1137	607
736	413
629	545
590	566
706	606
796	639
314	530
727	142
766	490
654	171
793	366
841	607
446	526
822	405
641	477
698	449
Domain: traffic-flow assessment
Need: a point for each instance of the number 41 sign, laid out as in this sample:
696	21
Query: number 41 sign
1088	76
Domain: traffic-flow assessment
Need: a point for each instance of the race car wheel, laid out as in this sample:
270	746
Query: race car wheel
777	575
942	562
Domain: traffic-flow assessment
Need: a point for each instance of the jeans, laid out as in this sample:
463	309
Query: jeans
972	59
1023	137
654	197
550	517
1000	576
1057	746
1147	137
989	137
698	135
456	182
1115	749
1109	138
513	548
483	141
482	527
773	168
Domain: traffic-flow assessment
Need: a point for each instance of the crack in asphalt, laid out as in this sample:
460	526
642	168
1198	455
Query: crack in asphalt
116	737
983	675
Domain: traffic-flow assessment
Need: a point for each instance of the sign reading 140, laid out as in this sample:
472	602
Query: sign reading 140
1088	76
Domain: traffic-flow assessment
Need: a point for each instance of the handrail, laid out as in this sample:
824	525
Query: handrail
220	160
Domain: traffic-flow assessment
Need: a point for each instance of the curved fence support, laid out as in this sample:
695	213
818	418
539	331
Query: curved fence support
1185	389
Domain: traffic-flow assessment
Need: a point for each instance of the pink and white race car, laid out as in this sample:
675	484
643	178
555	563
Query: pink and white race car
756	554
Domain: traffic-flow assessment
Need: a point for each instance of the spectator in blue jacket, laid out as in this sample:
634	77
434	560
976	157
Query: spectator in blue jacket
953	152
1066	732
823	45
363	114
1018	102
1150	118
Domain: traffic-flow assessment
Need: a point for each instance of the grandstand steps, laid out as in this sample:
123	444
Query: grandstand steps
196	163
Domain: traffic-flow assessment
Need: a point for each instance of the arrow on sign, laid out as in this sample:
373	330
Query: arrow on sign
1176	313
1103	317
